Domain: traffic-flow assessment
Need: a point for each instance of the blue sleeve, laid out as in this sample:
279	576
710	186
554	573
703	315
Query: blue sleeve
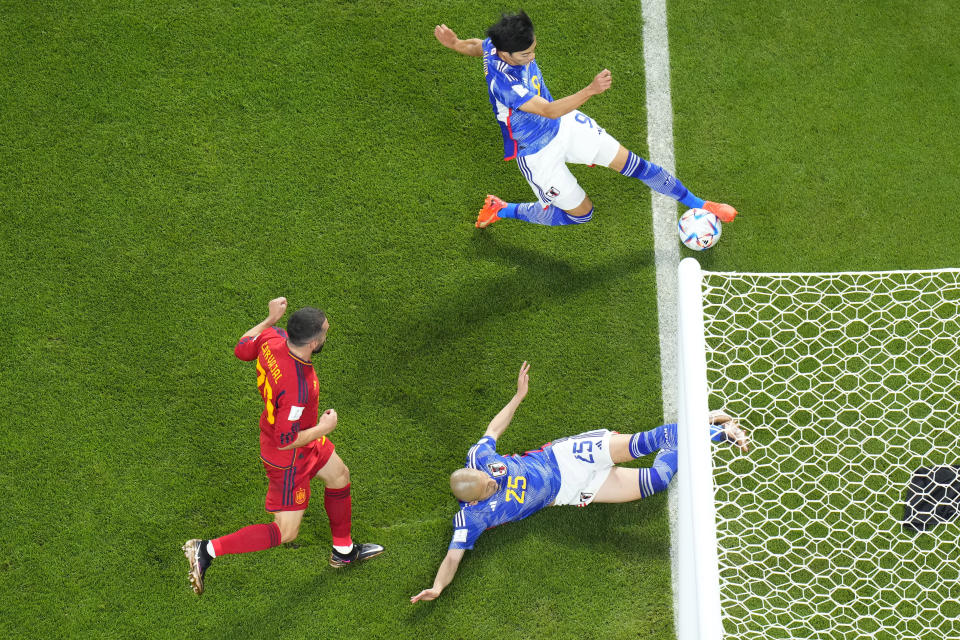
466	530
510	91
485	446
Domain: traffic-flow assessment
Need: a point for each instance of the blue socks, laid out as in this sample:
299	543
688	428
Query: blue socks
648	173
664	440
659	180
665	437
657	477
535	213
646	442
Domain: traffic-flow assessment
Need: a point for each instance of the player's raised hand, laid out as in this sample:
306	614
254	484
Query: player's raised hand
523	380
445	35
277	307
426	594
601	82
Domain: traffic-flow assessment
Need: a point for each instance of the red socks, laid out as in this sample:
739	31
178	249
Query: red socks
256	537
338	505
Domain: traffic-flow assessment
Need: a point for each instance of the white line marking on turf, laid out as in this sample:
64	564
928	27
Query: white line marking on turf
656	60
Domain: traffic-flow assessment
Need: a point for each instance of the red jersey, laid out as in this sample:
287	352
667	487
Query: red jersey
290	392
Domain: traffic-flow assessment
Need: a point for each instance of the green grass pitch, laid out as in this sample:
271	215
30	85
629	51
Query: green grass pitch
166	168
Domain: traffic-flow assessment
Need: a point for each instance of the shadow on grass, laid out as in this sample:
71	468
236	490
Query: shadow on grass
430	344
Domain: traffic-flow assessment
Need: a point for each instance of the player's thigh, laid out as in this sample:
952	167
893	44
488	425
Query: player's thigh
289	523
334	474
620	447
622	485
551	179
586	142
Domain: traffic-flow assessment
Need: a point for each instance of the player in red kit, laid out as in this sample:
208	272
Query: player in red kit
294	446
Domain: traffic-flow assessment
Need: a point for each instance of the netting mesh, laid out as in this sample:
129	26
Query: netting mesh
850	384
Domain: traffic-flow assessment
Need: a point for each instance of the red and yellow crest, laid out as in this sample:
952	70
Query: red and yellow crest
300	495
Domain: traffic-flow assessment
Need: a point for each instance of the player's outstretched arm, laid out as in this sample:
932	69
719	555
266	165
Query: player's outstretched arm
502	420
601	82
448	569
445	35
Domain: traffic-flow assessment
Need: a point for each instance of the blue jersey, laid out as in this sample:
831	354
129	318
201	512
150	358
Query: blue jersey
525	484
510	87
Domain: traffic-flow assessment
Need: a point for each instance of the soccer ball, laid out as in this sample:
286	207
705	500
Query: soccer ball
699	229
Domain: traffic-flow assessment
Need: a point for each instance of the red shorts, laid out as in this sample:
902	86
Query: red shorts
289	489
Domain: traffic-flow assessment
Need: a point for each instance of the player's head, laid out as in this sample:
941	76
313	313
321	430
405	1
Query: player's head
471	485
308	326
513	37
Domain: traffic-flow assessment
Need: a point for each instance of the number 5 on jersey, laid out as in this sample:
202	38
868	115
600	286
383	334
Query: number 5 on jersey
513	483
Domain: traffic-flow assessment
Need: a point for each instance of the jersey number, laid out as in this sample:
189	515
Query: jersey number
578	449
263	384
516	482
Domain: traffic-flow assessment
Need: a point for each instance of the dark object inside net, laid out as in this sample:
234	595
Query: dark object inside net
933	497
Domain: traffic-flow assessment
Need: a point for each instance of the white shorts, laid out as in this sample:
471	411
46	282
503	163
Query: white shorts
584	461
580	141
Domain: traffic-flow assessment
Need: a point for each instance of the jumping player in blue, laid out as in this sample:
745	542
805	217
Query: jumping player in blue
493	489
544	134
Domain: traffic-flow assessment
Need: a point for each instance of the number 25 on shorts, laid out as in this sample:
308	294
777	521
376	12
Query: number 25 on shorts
513	483
578	449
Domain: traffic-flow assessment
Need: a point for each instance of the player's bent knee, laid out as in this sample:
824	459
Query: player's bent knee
582	210
340	479
289	533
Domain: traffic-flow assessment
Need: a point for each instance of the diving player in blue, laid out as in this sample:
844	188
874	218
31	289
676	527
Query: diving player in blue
544	134
494	489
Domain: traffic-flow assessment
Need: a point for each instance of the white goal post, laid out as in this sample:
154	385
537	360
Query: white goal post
849	384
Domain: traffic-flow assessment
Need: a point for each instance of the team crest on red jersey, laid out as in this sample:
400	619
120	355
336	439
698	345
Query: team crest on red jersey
300	495
497	469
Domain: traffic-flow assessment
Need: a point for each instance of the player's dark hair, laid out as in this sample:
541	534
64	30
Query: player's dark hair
304	325
514	32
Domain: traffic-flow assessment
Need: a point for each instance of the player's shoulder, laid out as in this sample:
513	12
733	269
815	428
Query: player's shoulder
493	67
273	333
478	453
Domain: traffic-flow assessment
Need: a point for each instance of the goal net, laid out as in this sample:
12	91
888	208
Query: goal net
849	384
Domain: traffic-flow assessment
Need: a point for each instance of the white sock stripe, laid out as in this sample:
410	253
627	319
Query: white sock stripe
473	455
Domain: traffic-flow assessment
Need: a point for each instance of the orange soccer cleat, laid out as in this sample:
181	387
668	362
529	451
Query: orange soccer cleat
488	214
725	212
